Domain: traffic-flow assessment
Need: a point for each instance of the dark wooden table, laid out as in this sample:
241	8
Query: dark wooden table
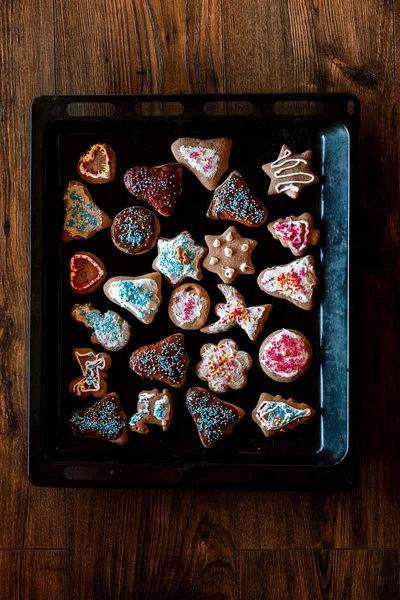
190	545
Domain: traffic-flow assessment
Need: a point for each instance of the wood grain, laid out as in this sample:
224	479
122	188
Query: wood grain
32	575
319	574
308	46
150	544
31	518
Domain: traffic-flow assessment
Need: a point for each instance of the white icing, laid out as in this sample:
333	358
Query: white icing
146	395
213	260
224	366
273	366
244	247
216	243
229	272
243	267
229	237
303	268
91	368
289	184
203	160
228	252
290	414
147	302
187	307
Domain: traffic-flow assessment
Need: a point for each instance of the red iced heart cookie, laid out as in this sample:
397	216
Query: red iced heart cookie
86	272
159	186
98	164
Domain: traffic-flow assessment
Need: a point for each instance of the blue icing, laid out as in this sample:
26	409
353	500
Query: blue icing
233	196
275	415
102	418
212	417
140	296
160	408
110	328
168	262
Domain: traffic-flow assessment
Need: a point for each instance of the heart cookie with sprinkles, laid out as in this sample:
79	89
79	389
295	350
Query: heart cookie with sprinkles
86	272
165	361
290	172
295	233
140	295
213	417
105	420
153	408
207	159
159	186
274	414
233	201
135	230
93	366
98	164
83	218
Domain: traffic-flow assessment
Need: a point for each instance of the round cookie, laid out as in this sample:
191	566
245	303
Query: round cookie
98	164
86	272
189	306
285	355
135	230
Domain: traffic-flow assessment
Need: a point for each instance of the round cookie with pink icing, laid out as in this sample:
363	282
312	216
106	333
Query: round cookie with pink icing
285	355
295	233
189	306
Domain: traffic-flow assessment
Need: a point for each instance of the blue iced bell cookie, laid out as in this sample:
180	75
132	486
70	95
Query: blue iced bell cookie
110	330
140	295
274	414
179	258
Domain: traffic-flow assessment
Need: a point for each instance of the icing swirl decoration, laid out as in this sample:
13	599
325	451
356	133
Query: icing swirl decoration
290	172
275	415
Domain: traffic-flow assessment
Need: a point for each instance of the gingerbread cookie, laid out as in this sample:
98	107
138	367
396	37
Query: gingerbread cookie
165	361
290	172
83	218
233	201
153	408
295	233
274	414
93	366
98	164
179	258
223	366
105	420
213	417
135	230
159	186
110	330
207	159
285	355
140	295
86	272
235	312
189	306
229	255
295	281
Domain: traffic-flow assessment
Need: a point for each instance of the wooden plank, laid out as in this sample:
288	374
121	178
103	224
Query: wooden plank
31	518
301	46
139	47
140	544
319	574
33	574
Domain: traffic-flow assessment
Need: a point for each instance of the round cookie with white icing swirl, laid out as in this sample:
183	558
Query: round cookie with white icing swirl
189	306
285	355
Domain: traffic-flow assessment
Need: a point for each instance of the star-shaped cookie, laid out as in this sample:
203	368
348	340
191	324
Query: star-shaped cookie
290	172
229	255
178	258
235	312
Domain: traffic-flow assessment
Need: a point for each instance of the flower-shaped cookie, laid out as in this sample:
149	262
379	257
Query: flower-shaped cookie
229	255
178	258
223	366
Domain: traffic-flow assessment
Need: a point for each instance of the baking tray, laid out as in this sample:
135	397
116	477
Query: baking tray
321	454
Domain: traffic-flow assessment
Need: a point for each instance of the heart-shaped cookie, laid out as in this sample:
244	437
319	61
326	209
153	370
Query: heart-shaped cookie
98	164
159	186
86	272
207	159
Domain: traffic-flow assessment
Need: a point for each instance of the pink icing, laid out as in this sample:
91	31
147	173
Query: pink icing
285	354
294	233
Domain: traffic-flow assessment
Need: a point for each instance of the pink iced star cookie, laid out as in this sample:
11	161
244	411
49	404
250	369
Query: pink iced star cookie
235	312
223	366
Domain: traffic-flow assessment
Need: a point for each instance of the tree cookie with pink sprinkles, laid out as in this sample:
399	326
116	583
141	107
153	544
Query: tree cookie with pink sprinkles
295	233
223	366
285	355
207	159
189	306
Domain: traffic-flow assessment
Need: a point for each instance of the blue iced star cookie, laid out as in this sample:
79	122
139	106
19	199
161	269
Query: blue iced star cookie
179	258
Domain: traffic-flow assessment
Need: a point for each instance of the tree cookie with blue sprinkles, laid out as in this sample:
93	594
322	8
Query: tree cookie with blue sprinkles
214	418
233	201
153	408
158	186
178	258
83	218
274	414
104	420
110	330
140	295
135	230
165	361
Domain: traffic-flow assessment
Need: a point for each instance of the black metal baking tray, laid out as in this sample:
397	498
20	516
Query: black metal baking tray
319	455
